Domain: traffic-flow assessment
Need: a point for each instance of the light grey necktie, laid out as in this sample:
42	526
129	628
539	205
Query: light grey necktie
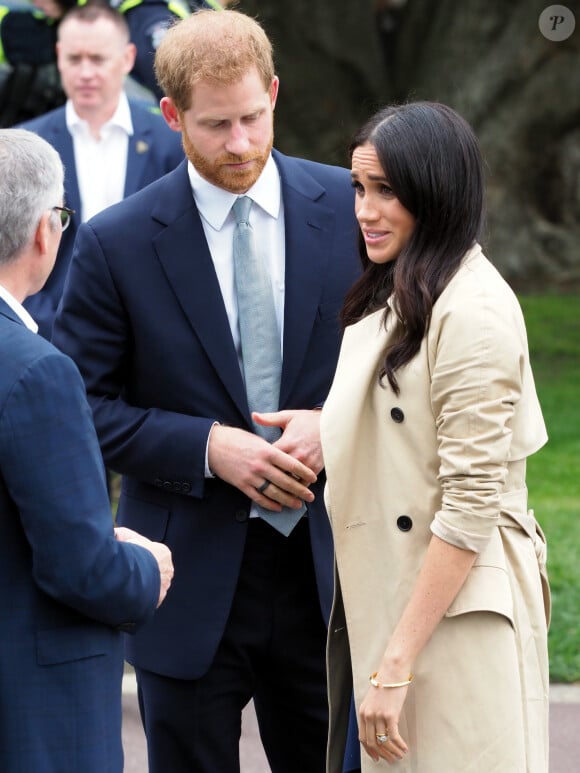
260	341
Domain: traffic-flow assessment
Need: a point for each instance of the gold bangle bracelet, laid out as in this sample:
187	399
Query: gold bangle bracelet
373	681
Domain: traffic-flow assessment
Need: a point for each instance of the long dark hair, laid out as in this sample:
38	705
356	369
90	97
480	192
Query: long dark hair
431	158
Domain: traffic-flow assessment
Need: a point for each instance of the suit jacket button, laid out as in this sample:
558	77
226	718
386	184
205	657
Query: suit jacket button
404	523
397	415
167	485
186	487
241	516
177	487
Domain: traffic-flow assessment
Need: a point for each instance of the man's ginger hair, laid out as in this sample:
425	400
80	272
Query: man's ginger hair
216	47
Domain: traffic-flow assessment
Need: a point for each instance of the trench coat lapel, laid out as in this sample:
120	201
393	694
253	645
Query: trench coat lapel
309	227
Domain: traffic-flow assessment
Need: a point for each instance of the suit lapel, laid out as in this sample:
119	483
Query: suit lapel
183	252
60	138
137	154
308	227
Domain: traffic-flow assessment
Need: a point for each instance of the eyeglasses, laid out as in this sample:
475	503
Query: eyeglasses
65	215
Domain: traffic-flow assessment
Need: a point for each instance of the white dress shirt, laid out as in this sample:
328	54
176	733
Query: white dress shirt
101	165
18	309
267	220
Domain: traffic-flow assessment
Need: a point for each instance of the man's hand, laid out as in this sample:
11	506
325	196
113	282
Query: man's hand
300	434
247	461
160	552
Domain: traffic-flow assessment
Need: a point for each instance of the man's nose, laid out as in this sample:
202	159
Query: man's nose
237	142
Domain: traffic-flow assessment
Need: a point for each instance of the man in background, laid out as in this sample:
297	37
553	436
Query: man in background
27	35
68	586
110	147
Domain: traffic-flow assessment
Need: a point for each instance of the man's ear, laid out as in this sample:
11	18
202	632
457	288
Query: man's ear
274	90
44	232
40	260
129	57
170	113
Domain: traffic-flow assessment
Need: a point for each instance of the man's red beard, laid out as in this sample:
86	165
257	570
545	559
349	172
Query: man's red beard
221	172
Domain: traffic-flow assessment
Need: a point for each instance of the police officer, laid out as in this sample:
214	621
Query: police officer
148	21
29	80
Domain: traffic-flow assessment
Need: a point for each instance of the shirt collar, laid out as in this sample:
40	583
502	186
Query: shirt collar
120	118
214	204
18	309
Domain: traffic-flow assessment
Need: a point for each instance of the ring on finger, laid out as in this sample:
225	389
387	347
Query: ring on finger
263	487
382	737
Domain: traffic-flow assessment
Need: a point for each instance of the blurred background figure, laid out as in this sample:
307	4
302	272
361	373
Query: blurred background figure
110	146
29	82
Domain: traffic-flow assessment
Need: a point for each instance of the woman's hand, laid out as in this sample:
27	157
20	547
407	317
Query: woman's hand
379	716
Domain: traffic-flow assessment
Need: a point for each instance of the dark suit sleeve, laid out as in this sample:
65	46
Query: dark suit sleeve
53	471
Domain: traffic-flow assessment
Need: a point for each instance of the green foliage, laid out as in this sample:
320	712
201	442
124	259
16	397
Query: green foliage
553	324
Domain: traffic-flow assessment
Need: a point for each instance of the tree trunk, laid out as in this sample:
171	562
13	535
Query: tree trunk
327	56
338	61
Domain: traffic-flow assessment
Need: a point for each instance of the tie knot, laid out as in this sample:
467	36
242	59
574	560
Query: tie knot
241	209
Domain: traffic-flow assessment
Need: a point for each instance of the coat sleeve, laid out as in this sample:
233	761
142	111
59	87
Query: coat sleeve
477	355
54	474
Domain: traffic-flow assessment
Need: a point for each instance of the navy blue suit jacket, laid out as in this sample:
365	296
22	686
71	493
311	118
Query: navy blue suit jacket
143	316
154	149
68	588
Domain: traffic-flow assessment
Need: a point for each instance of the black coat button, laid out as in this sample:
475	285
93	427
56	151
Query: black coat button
397	415
186	487
158	482
241	516
168	485
404	523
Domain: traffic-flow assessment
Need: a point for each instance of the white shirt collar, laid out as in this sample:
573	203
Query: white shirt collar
120	118
18	309
214	204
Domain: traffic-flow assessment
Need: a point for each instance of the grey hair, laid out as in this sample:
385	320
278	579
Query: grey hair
31	182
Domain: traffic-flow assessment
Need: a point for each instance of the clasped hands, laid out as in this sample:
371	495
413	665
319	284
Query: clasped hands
291	464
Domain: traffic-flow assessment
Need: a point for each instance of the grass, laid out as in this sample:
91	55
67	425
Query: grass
553	324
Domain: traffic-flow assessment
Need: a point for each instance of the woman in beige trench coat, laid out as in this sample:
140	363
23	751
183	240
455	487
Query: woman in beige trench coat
441	589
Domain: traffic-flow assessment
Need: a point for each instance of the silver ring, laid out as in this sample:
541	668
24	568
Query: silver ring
382	738
263	487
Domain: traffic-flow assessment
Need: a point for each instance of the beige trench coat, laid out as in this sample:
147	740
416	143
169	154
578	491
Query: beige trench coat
447	456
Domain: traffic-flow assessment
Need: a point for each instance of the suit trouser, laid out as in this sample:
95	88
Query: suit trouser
273	650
